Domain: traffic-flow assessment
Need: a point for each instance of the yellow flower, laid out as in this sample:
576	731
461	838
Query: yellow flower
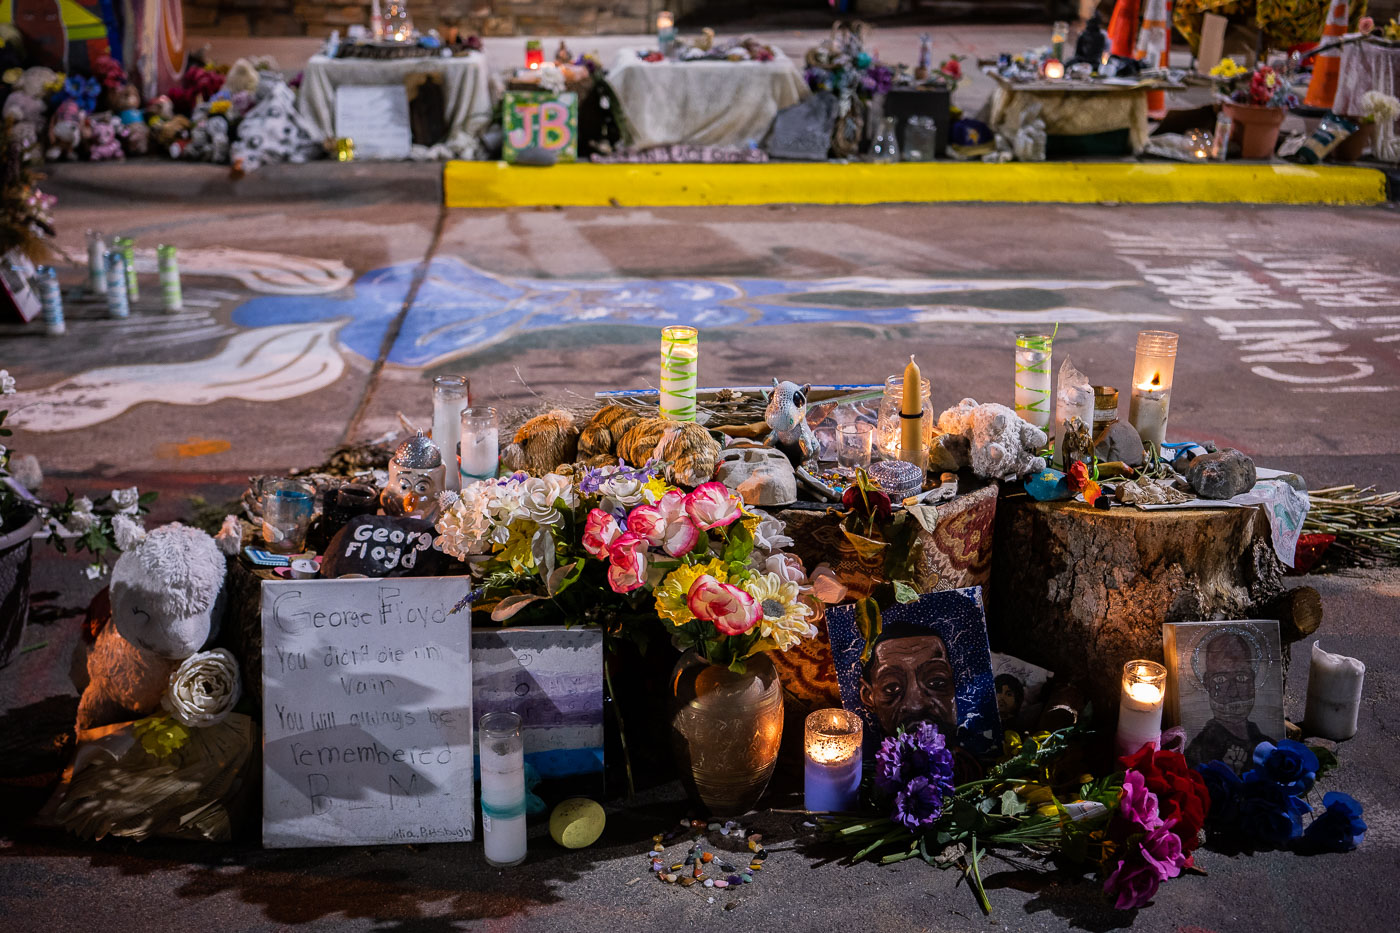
671	602
655	488
785	615
56	85
160	735
518	550
1228	68
220	106
13	75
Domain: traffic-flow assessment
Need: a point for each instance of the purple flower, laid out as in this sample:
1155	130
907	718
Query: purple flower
921	752
1138	805
1290	764
1149	862
1339	828
919	804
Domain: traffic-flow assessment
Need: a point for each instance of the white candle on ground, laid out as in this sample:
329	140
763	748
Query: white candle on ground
1147	411
1334	695
502	789
1140	706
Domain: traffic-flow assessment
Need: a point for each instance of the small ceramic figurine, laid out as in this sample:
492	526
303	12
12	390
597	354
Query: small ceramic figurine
416	476
787	416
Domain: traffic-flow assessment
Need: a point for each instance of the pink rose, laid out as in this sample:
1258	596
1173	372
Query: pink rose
788	568
1147	864
599	533
627	568
712	505
731	610
675	533
1366	25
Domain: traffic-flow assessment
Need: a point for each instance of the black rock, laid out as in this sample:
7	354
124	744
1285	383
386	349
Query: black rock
1221	475
1121	441
803	131
382	546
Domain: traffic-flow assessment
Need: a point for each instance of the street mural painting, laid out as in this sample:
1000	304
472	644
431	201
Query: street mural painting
1311	320
459	309
291	340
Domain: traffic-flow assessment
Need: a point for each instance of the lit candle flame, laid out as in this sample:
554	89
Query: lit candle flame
1152	384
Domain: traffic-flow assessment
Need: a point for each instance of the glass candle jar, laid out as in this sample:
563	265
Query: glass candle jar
885	147
450	395
287	508
1140	705
680	372
1105	408
480	444
887	424
502	753
1153	369
920	139
1033	352
832	761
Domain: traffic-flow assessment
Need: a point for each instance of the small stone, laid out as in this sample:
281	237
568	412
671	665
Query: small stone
755	866
670	879
725	866
713	826
733	879
753	846
697	824
755	837
808	824
656	865
654	853
709	900
687	822
724	831
689	860
687	882
760	855
658	839
748	879
721	883
709	882
1292	731
1121	441
678	866
699	872
1222	475
707	858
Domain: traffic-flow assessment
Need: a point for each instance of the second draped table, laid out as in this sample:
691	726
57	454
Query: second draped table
710	103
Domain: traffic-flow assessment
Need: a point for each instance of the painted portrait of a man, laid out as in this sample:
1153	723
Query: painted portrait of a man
1226	685
928	662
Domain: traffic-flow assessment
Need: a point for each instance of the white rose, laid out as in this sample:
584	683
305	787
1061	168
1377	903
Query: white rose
127	531
95	571
562	487
625	491
127	500
82	518
7	383
538	503
768	536
203	689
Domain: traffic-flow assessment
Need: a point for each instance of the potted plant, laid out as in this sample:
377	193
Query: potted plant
1376	108
109	524
1257	105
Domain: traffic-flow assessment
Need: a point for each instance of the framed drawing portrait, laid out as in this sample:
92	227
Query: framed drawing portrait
1224	688
929	662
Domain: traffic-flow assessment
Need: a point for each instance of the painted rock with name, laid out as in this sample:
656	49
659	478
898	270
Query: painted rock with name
383	546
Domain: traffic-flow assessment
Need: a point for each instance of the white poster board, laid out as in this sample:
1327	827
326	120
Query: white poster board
376	118
367	712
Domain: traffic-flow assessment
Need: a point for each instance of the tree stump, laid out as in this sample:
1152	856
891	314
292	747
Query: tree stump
1082	591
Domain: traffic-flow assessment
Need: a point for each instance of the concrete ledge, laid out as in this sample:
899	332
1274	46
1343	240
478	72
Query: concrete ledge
497	185
105	184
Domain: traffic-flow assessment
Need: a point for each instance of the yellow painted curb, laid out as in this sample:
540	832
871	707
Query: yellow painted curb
496	185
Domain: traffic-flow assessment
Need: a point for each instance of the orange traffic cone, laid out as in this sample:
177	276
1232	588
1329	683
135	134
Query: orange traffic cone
1154	45
1327	64
1121	28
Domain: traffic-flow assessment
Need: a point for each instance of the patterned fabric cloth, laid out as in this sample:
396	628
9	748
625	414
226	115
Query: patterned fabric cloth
957	554
1285	23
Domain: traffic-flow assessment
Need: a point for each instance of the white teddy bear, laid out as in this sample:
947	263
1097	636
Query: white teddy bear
1003	444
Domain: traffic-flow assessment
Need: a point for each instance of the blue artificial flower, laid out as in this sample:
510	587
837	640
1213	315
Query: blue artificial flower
919	804
921	752
1270	817
1339	828
1291	764
1225	790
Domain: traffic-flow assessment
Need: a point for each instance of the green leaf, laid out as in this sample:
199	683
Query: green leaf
563	577
925	515
738	545
868	624
904	592
1012	805
1326	759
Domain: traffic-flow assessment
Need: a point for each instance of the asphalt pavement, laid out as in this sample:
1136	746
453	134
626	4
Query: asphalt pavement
310	322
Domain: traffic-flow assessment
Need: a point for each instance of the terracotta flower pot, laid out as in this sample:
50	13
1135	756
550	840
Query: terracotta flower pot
1257	128
1354	146
725	731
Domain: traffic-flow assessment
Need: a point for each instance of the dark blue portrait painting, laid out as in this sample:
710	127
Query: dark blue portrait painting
928	663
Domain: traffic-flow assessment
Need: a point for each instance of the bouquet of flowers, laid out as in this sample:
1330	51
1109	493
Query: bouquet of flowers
1265	87
621	548
1264	808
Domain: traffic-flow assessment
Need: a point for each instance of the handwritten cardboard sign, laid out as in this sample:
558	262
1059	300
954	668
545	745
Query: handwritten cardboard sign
376	118
367	712
539	120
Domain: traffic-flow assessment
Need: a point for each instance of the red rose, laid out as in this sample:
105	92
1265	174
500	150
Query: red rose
1181	791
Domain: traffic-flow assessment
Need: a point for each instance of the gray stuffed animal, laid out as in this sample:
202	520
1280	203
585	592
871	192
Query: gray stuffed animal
787	416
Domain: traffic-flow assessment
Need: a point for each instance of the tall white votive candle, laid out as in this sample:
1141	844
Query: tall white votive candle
502	789
1033	378
481	445
680	372
450	396
1153	370
1140	706
1334	695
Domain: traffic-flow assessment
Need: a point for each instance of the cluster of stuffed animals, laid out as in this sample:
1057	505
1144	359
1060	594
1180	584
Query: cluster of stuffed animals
54	117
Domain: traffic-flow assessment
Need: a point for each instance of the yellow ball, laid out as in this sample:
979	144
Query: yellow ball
577	822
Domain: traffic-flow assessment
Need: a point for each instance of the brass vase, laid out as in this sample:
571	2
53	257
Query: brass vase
725	730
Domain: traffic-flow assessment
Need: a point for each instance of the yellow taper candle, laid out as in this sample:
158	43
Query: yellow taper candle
911	439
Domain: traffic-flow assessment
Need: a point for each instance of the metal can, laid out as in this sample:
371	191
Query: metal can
169	278
97	273
118	304
46	281
127	246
